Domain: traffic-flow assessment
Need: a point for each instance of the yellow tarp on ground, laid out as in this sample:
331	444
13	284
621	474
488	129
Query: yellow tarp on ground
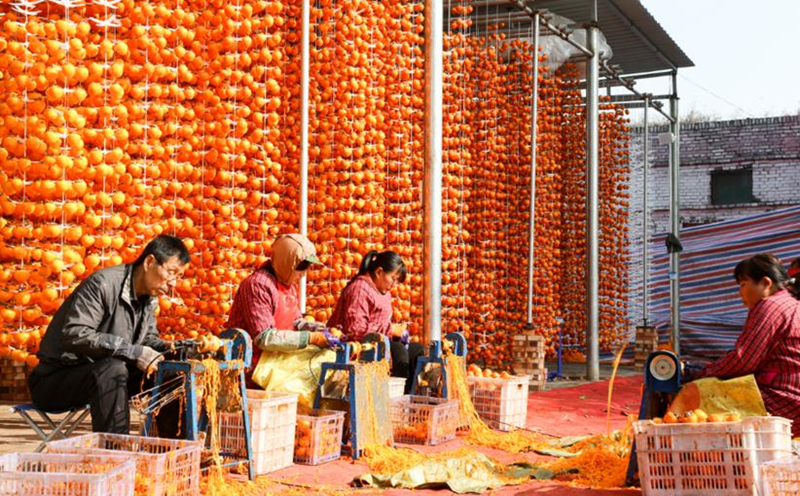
461	472
293	371
712	395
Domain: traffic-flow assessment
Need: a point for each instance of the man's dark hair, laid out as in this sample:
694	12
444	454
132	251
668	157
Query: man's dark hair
163	248
388	260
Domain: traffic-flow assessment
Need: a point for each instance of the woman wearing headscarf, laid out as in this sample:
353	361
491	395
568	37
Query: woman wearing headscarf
267	303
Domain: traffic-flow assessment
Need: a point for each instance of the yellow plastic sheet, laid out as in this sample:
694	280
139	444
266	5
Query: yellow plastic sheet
712	395
463	471
293	371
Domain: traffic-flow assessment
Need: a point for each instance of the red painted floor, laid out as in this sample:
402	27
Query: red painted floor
582	410
562	412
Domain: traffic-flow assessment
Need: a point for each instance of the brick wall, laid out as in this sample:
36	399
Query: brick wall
770	146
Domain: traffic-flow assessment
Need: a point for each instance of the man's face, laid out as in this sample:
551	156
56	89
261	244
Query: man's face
160	279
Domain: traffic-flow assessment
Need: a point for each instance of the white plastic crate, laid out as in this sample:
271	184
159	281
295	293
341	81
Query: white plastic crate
273	416
58	474
424	420
163	466
501	403
781	477
708	458
397	387
318	438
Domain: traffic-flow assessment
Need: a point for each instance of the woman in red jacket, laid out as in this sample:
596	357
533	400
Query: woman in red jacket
365	306
769	345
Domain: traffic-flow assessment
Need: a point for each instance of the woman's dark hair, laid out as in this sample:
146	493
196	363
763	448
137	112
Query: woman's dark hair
389	261
764	265
163	248
795	263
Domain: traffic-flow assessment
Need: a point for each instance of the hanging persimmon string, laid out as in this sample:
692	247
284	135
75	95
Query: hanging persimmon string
128	119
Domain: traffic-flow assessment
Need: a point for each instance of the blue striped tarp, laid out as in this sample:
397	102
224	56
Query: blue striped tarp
712	314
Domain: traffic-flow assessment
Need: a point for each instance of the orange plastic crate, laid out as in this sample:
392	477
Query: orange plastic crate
424	420
318	438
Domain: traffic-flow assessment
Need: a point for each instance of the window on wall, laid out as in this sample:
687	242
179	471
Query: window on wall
729	187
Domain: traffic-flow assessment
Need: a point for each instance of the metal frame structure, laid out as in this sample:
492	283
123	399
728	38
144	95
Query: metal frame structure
304	90
534	130
599	74
432	197
611	77
592	202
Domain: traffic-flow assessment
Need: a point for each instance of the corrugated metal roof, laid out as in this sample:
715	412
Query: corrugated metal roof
640	44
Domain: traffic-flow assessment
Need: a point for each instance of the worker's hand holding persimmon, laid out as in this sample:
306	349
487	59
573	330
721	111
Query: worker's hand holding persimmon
208	344
327	338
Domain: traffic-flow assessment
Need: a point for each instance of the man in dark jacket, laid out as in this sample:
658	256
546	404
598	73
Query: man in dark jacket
104	337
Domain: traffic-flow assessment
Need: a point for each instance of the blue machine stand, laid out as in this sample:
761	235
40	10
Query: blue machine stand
376	348
236	353
662	381
434	366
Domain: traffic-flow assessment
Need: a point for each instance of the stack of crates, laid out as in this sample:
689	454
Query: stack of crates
164	467
646	343
13	380
529	356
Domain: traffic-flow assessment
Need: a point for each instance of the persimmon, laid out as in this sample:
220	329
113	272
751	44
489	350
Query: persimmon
31	361
716	417
19	355
670	418
191	127
701	415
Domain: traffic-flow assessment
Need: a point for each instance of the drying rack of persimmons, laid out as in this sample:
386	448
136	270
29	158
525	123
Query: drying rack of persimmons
123	119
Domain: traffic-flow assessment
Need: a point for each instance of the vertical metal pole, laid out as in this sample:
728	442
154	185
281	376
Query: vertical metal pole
304	83
645	214
675	216
592	205
432	286
534	113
